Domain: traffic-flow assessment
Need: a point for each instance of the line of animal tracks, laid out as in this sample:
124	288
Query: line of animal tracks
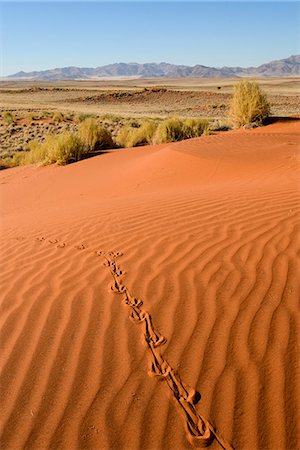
200	432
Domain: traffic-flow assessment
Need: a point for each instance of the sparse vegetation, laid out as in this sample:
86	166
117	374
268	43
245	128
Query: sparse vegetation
8	117
249	104
62	149
31	117
58	117
44	142
83	116
95	136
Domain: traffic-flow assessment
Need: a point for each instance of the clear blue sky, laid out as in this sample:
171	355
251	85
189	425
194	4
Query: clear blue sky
41	35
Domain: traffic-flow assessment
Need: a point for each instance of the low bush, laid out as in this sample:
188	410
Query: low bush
249	104
95	136
130	136
111	118
8	117
194	127
61	149
83	116
57	117
169	130
175	129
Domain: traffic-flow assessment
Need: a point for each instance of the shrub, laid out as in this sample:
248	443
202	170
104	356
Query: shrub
8	117
123	136
132	136
58	117
31	117
62	149
169	130
111	118
175	129
94	136
194	127
37	153
249	104
83	116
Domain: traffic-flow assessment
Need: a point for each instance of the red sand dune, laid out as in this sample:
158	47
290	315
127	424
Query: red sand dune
209	231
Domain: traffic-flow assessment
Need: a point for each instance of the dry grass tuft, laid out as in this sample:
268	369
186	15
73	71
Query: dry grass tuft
130	136
249	104
8	117
175	129
194	127
58	117
94	136
62	149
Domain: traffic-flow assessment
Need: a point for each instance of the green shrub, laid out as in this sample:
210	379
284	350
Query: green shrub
249	104
8	117
94	136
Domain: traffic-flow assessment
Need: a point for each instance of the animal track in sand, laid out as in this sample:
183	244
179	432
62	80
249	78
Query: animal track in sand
200	432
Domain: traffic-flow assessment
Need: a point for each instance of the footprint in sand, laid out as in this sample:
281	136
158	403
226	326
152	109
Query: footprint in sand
80	247
62	245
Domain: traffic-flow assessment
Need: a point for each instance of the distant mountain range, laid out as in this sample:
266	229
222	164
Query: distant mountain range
284	67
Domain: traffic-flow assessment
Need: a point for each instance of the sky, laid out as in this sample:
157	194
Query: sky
42	35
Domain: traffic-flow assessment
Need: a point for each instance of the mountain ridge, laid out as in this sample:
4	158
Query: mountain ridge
284	67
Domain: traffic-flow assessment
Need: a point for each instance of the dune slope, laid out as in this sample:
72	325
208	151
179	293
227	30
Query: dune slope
209	232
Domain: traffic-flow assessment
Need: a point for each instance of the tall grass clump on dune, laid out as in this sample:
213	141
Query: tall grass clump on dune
169	130
249	104
175	129
62	149
130	136
95	136
195	127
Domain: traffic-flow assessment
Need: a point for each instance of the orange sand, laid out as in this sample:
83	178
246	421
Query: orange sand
209	231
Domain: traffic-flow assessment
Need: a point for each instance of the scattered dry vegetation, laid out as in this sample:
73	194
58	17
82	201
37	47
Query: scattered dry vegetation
62	149
56	137
46	137
8	117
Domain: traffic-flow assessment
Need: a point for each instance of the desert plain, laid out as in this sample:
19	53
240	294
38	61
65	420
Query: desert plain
147	282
